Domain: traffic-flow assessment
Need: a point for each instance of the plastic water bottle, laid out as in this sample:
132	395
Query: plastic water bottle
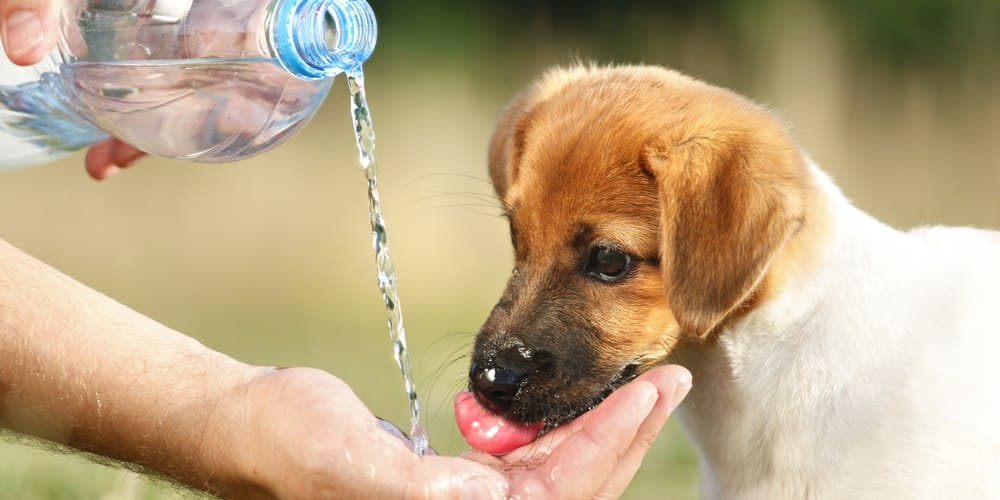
205	80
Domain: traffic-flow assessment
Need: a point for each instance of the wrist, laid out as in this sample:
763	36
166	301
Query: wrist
200	435
194	430
234	457
83	370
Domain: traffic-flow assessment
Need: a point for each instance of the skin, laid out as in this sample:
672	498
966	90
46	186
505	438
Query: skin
81	370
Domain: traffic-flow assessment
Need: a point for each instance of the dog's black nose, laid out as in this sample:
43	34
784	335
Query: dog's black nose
498	380
498	386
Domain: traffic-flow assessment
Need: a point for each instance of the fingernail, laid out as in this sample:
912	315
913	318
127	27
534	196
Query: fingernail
110	172
479	488
23	32
649	396
680	391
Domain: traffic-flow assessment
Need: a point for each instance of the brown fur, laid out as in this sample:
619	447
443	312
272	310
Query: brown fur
705	189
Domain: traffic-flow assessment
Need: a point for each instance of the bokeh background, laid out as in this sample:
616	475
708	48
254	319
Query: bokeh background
269	259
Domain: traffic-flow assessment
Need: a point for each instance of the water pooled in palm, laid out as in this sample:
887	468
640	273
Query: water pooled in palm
387	281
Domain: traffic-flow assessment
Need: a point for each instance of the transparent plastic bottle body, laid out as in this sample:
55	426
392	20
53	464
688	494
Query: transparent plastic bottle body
37	124
206	80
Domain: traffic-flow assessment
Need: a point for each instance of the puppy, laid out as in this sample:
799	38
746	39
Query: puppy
656	218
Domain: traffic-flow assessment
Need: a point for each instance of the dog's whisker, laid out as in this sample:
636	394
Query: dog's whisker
424	177
467	346
452	335
442	368
479	208
486	198
479	196
453	388
439	372
470	205
471	209
482	198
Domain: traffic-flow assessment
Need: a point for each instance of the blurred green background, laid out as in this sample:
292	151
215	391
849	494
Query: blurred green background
269	259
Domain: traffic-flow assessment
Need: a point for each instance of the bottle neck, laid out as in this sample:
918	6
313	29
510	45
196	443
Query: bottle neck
315	39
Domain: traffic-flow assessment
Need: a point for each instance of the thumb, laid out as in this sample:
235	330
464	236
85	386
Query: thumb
28	29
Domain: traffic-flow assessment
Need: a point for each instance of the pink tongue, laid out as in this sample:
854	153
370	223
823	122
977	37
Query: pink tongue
488	432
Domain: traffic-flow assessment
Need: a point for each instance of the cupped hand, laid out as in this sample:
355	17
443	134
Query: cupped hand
598	454
309	436
29	30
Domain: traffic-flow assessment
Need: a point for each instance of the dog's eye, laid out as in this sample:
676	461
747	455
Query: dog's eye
608	264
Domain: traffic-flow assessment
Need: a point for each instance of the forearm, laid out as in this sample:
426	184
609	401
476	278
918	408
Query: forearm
80	369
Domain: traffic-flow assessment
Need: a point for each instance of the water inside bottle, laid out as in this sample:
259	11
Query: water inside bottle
199	109
204	109
387	280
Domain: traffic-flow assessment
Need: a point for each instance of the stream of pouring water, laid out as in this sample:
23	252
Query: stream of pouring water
387	280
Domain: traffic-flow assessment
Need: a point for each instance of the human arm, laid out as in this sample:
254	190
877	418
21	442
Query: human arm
29	30
80	369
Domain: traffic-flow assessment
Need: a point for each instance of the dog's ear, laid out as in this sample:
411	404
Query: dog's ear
729	201
508	143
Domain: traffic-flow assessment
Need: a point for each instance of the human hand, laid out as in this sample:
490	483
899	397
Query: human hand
598	454
309	436
29	30
134	390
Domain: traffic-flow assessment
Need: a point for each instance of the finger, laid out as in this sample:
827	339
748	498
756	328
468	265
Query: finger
99	162
600	441
124	155
672	384
108	157
28	29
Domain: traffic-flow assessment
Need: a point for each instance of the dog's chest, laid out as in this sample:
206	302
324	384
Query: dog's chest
809	433
875	391
759	437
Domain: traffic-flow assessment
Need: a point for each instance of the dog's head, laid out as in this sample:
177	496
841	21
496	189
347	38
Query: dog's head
646	209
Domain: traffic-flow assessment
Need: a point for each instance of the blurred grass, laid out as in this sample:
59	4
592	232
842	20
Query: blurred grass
269	259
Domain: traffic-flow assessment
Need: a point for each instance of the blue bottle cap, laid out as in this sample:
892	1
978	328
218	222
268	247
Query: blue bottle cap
316	39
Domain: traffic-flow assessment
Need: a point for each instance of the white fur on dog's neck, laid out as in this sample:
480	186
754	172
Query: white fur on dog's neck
868	376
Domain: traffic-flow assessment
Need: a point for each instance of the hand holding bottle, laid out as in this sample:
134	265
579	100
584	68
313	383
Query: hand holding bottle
203	80
29	31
